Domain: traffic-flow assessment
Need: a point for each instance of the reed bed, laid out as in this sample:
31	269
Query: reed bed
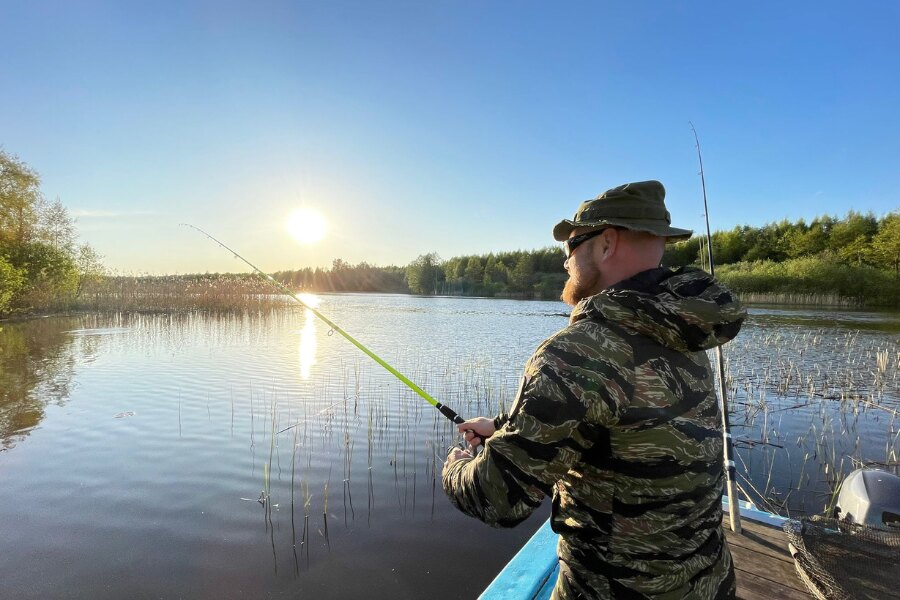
801	299
212	292
807	407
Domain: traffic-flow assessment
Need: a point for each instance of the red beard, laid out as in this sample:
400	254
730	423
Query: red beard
579	288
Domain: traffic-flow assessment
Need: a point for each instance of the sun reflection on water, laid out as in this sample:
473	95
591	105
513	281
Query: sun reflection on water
308	342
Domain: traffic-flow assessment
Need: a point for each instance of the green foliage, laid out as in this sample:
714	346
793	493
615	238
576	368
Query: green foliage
51	276
823	275
495	274
849	230
424	275
857	239
11	281
521	274
42	266
681	254
886	244
521	278
90	268
20	197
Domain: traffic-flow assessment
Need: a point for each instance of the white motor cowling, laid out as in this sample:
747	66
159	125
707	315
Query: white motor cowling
870	497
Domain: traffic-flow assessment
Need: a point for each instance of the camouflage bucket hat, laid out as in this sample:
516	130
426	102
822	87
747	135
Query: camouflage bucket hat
639	206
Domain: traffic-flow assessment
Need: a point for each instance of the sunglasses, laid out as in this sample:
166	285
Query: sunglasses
573	242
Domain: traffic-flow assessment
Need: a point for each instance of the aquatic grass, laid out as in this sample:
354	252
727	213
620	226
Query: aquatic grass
840	380
211	292
325	510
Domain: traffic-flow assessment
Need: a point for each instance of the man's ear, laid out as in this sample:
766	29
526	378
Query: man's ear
610	242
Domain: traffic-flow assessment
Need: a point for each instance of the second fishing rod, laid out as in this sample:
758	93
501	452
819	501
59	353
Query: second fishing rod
444	410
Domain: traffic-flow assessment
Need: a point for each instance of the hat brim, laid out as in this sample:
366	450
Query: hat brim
564	228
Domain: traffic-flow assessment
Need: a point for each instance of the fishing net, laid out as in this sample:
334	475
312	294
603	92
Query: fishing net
845	561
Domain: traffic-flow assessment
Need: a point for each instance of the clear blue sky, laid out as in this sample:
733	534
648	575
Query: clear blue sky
455	126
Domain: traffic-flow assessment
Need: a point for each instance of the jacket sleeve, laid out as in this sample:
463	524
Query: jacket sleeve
545	434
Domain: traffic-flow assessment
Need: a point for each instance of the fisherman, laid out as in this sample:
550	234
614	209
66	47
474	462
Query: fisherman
616	417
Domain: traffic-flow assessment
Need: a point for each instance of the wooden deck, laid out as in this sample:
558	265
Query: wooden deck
763	566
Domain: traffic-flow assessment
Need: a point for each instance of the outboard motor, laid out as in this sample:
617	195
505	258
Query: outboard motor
870	497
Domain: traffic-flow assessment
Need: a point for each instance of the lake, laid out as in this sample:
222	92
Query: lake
197	455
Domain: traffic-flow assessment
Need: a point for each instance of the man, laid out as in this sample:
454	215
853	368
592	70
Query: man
616	417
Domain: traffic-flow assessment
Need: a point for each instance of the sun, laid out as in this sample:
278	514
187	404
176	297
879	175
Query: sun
307	225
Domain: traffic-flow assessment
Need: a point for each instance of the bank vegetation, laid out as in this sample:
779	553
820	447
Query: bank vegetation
848	261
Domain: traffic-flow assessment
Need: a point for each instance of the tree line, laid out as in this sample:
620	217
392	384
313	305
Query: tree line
523	274
856	239
850	260
856	256
43	266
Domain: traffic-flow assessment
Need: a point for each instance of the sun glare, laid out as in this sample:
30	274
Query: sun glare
307	225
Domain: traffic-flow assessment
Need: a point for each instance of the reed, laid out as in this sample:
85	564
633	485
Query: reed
211	292
838	380
800	299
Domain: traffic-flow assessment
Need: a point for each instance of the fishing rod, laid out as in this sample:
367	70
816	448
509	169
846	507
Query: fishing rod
734	513
444	410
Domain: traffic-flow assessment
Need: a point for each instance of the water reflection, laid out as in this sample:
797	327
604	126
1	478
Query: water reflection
36	368
151	465
308	345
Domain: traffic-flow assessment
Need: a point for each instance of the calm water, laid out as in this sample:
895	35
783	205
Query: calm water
140	455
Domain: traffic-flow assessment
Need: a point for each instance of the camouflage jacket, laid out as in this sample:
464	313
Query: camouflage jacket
617	419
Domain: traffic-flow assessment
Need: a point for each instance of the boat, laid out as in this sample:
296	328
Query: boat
868	503
532	572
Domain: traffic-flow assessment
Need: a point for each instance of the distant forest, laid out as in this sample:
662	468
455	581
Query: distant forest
44	268
855	257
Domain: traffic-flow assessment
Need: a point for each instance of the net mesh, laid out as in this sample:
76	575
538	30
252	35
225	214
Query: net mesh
842	561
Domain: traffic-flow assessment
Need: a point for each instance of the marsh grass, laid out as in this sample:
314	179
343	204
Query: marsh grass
210	292
842	384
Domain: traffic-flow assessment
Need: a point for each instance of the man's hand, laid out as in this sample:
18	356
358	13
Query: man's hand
454	455
477	430
457	453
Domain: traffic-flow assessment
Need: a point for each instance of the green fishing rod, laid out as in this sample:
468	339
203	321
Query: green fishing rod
444	410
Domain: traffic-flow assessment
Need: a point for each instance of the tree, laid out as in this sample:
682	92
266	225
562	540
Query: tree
681	254
521	278
886	243
424	274
729	246
90	268
51	275
474	273
856	252
20	196
850	228
811	240
56	226
11	281
494	271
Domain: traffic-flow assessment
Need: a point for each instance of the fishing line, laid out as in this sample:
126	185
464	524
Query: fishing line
444	410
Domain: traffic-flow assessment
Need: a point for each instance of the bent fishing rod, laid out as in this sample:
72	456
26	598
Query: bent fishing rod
734	513
444	410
